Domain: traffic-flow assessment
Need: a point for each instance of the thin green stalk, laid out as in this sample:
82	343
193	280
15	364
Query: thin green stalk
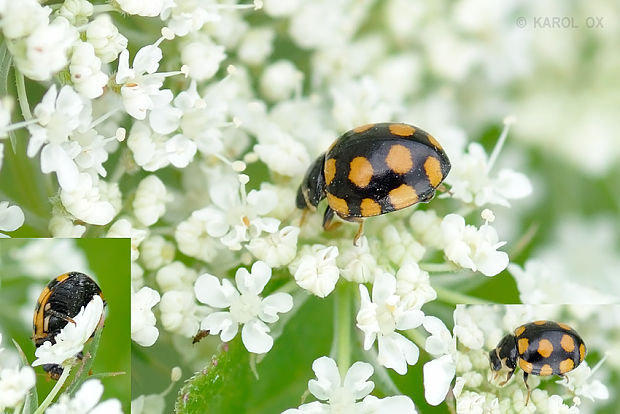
104	8
343	327
455	298
50	397
22	97
438	267
416	336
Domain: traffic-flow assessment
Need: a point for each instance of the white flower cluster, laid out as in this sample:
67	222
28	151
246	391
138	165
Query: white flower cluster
342	394
15	382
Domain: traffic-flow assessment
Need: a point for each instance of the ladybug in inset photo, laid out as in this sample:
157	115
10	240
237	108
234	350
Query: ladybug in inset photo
58	303
539	348
374	169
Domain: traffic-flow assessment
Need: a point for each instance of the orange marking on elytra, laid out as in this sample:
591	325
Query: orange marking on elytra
566	365
526	366
546	370
360	171
403	196
339	205
432	168
329	170
402	130
370	207
567	343
363	128
545	348
399	159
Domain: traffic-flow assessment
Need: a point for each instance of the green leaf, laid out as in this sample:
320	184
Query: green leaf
83	370
227	384
5	66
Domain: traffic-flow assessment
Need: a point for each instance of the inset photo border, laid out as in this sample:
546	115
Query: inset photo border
47	295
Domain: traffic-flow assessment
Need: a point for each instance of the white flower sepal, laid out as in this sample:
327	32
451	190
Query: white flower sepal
380	318
86	401
343	395
71	339
245	305
473	248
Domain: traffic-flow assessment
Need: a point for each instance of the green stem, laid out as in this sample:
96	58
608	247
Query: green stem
289	287
438	267
343	327
22	97
104	8
417	337
18	408
450	296
50	397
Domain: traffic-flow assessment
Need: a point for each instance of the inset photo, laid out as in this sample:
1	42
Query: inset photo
65	325
529	359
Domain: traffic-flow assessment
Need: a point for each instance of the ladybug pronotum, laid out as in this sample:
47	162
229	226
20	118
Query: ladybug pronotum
539	348
374	169
59	302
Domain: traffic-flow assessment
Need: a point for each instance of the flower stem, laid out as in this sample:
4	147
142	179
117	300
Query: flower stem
438	267
50	397
343	327
416	336
22	97
450	296
500	142
104	8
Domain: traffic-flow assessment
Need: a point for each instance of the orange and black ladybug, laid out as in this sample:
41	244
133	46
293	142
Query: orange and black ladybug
539	348
59	302
374	169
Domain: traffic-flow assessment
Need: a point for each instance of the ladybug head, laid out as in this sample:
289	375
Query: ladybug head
312	188
53	370
504	356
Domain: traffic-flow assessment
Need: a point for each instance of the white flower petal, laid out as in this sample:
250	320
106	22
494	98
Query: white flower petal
273	304
410	319
396	351
356	379
255	337
223	322
327	378
397	404
213	292
438	375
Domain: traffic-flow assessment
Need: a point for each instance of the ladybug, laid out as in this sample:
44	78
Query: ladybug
540	348
59	302
374	169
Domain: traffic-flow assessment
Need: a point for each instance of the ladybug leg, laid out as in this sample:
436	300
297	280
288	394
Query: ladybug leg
444	189
360	231
529	391
501	384
304	214
60	316
328	220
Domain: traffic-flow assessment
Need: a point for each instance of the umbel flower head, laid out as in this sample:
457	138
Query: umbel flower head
71	339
